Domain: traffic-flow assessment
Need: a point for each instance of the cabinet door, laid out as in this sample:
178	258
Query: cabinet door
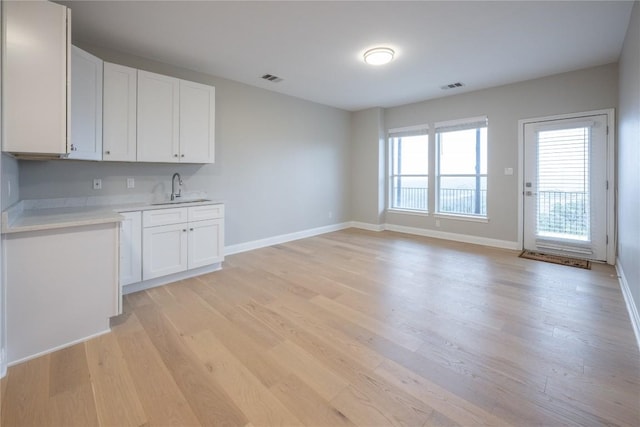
120	85
197	122
35	77
131	248
158	118
206	239
86	106
164	250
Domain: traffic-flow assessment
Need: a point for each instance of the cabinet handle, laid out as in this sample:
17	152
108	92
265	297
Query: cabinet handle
191	229
182	155
175	155
107	152
184	230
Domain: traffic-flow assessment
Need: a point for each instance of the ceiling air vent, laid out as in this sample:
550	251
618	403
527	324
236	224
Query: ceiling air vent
452	86
272	78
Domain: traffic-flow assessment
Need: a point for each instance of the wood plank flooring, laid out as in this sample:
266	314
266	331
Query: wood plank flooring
351	328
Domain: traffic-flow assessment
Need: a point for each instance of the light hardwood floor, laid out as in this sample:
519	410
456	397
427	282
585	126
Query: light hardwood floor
351	328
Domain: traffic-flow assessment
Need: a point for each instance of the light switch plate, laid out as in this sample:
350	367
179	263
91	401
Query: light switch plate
97	184
131	183
508	171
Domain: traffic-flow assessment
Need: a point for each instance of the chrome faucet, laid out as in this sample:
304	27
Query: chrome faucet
173	186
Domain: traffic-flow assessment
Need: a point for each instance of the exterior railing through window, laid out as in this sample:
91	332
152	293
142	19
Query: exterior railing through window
452	200
463	201
559	212
413	198
564	213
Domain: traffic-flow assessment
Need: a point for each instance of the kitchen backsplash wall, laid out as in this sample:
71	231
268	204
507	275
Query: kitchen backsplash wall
282	163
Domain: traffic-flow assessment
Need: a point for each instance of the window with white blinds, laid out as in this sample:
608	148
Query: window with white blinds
563	205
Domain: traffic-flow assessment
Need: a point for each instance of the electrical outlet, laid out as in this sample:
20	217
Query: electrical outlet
97	184
508	171
131	183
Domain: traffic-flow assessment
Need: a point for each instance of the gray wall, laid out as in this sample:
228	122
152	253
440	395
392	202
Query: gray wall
367	157
590	89
629	158
281	162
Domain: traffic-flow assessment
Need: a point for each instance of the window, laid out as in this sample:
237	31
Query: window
462	167
409	169
563	183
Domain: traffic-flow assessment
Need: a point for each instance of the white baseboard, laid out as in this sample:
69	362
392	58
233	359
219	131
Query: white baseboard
159	281
632	307
367	226
60	347
283	238
464	238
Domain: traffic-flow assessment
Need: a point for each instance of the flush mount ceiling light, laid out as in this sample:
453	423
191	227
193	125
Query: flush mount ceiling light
378	56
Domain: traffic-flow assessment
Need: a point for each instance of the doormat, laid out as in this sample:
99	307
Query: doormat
556	259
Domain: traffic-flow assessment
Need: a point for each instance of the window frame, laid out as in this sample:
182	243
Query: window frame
418	130
458	125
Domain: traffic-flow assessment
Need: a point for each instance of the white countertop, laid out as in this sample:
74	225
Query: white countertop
35	215
47	219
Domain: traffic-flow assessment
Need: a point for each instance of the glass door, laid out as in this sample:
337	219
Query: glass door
565	203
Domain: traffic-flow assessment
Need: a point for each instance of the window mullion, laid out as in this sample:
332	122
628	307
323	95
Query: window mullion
478	159
399	173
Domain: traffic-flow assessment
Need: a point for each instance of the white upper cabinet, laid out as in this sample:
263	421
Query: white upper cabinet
36	77
197	122
119	115
176	120
86	105
158	118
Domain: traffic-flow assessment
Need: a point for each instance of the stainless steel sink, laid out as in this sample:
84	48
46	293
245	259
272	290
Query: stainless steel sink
178	202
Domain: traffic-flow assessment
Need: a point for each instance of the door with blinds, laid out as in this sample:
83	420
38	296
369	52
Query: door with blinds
565	187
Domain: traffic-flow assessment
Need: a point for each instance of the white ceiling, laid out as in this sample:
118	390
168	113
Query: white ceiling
317	46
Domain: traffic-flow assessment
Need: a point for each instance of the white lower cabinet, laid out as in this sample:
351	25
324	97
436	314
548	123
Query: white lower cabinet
180	239
165	250
131	248
205	243
63	287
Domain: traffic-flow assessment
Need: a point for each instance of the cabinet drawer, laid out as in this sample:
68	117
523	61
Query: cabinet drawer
156	217
200	213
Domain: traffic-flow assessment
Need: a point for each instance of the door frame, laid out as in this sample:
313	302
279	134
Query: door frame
610	166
